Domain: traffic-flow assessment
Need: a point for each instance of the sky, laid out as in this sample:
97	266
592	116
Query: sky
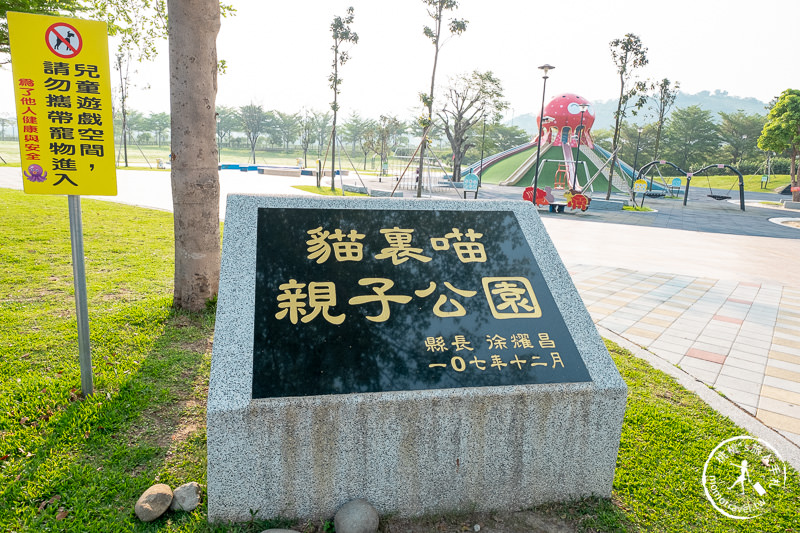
278	53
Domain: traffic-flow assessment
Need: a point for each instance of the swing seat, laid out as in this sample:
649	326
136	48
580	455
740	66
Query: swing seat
719	197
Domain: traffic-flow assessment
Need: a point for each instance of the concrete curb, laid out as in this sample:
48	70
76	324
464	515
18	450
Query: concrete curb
789	451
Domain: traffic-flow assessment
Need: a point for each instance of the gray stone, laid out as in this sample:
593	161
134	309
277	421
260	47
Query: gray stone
153	502
788	204
356	516
186	497
496	448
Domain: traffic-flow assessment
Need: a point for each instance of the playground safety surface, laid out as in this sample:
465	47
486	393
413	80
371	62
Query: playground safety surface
700	213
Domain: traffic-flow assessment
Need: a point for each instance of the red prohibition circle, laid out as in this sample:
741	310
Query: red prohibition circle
72	50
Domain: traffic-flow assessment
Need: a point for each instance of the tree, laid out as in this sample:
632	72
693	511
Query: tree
193	28
122	65
498	138
692	137
470	98
782	133
40	7
306	134
663	99
739	134
603	136
272	130
436	9
6	119
253	121
388	131
159	124
353	129
322	130
369	139
628	54
287	127
228	121
629	139
342	34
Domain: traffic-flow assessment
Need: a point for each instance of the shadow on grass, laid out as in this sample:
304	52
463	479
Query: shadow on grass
95	456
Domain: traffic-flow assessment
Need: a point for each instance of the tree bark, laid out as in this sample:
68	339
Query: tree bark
616	136
193	28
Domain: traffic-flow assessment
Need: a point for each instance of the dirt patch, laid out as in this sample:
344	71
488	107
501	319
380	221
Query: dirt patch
198	346
792	223
193	418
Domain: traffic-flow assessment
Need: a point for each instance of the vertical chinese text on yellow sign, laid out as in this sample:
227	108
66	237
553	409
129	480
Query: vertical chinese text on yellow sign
62	90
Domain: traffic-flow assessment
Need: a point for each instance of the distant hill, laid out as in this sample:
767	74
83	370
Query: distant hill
714	102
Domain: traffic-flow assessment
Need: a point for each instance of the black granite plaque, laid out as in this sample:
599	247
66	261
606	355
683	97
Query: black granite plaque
378	300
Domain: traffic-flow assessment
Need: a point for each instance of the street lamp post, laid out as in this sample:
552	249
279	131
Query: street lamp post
546	68
583	107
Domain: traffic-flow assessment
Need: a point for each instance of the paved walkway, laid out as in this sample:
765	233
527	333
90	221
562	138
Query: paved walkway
742	338
701	286
704	287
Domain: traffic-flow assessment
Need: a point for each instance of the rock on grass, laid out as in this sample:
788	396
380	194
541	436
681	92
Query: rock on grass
153	502
186	497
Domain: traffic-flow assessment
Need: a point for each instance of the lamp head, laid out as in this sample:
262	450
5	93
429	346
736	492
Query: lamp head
546	68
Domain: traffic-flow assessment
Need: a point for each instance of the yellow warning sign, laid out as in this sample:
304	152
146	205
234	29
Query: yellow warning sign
62	88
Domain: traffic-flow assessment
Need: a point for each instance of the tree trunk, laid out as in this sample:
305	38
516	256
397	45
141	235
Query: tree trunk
193	28
616	137
420	171
333	150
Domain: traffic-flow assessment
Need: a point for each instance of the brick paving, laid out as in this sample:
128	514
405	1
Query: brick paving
741	338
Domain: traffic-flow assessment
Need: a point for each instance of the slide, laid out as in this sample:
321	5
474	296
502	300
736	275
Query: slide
525	167
570	161
495	158
628	171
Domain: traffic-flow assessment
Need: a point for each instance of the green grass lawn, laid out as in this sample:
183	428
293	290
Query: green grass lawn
74	464
326	191
723	184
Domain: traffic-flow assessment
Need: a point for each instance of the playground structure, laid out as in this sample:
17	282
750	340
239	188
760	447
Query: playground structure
570	160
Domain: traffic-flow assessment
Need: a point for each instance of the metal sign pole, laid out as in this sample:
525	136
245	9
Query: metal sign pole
81	299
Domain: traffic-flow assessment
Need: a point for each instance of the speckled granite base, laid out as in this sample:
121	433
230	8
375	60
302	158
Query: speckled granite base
412	452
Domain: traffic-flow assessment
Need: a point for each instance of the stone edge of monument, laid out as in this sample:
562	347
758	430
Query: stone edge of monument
234	464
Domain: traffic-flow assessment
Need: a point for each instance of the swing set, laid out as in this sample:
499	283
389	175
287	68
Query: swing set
711	193
690	175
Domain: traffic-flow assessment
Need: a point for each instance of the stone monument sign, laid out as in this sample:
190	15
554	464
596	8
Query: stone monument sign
424	355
